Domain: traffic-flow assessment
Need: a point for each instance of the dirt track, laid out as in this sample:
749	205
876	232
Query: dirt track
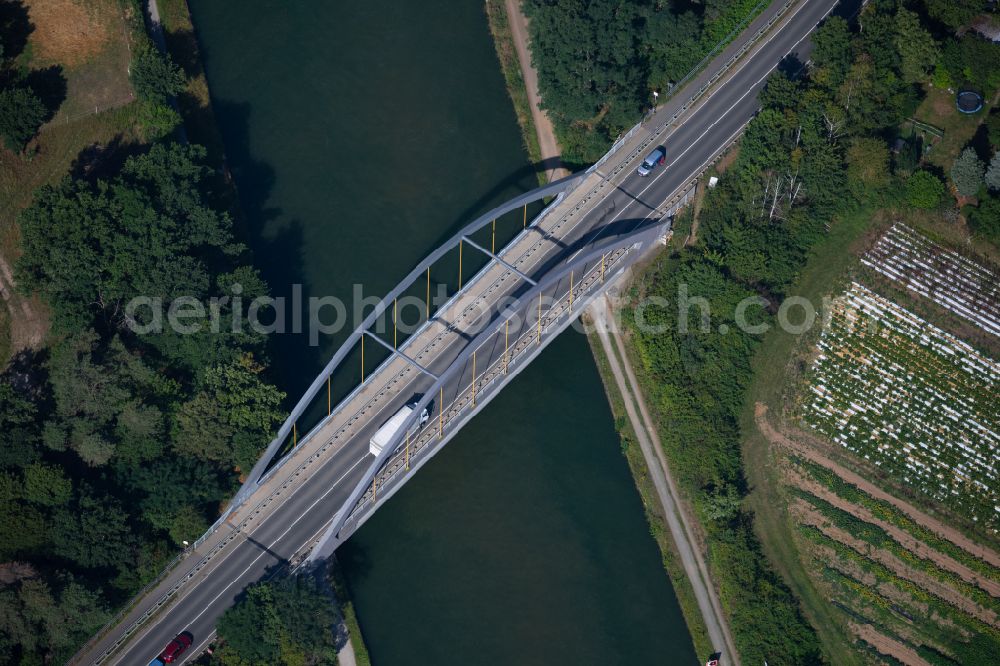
543	126
27	326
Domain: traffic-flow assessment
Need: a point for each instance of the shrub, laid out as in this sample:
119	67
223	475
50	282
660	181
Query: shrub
924	190
157	119
155	77
21	114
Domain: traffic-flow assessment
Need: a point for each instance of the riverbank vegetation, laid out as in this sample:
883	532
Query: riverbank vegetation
118	449
284	622
599	63
815	161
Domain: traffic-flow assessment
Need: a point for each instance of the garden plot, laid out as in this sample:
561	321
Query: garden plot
961	285
912	399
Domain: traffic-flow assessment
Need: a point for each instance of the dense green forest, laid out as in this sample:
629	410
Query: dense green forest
284	622
116	448
819	150
599	61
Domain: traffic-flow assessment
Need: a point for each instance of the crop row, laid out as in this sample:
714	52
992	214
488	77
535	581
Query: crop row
894	516
967	288
884	576
912	399
888	616
875	536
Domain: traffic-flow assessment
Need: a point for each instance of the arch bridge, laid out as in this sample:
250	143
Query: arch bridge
463	352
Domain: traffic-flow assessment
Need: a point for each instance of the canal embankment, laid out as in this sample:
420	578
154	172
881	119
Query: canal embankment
179	38
665	508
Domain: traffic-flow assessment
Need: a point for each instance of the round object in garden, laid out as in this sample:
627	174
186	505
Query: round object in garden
968	101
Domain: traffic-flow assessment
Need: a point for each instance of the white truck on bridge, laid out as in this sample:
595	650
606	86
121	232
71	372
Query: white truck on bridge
388	430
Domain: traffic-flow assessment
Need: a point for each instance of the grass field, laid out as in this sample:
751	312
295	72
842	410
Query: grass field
773	364
81	49
938	109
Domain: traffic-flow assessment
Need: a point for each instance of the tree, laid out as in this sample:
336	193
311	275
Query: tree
993	172
252	629
157	119
46	485
284	622
149	233
232	417
967	172
93	532
953	13
924	190
155	77
832	49
867	164
36	620
985	220
19	428
104	398
972	61
21	114
918	52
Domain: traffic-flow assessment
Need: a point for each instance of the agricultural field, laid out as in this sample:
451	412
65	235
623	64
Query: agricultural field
911	399
956	283
905	587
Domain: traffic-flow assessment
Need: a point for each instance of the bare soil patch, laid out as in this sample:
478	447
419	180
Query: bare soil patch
903	538
806	515
886	645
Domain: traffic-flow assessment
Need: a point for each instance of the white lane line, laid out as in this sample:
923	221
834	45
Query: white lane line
279	538
332	487
691	144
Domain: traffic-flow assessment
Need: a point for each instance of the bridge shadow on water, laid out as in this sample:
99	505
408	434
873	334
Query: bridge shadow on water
517	182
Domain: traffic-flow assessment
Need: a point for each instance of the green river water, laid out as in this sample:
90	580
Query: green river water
361	134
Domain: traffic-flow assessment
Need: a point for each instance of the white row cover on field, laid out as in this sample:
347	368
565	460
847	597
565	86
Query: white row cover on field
912	399
967	288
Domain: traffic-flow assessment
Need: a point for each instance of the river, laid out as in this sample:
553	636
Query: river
360	136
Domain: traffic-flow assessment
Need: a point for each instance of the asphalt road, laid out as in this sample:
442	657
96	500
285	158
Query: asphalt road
306	510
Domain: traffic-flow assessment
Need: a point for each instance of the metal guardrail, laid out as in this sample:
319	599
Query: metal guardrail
197	568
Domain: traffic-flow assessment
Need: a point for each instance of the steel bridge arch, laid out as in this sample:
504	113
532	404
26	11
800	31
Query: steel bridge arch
260	469
636	240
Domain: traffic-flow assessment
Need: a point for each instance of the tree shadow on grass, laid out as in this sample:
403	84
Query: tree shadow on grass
49	85
15	26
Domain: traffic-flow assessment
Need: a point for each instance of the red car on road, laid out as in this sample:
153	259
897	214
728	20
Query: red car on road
176	647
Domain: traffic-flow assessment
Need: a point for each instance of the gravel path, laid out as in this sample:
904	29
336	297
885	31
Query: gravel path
666	490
